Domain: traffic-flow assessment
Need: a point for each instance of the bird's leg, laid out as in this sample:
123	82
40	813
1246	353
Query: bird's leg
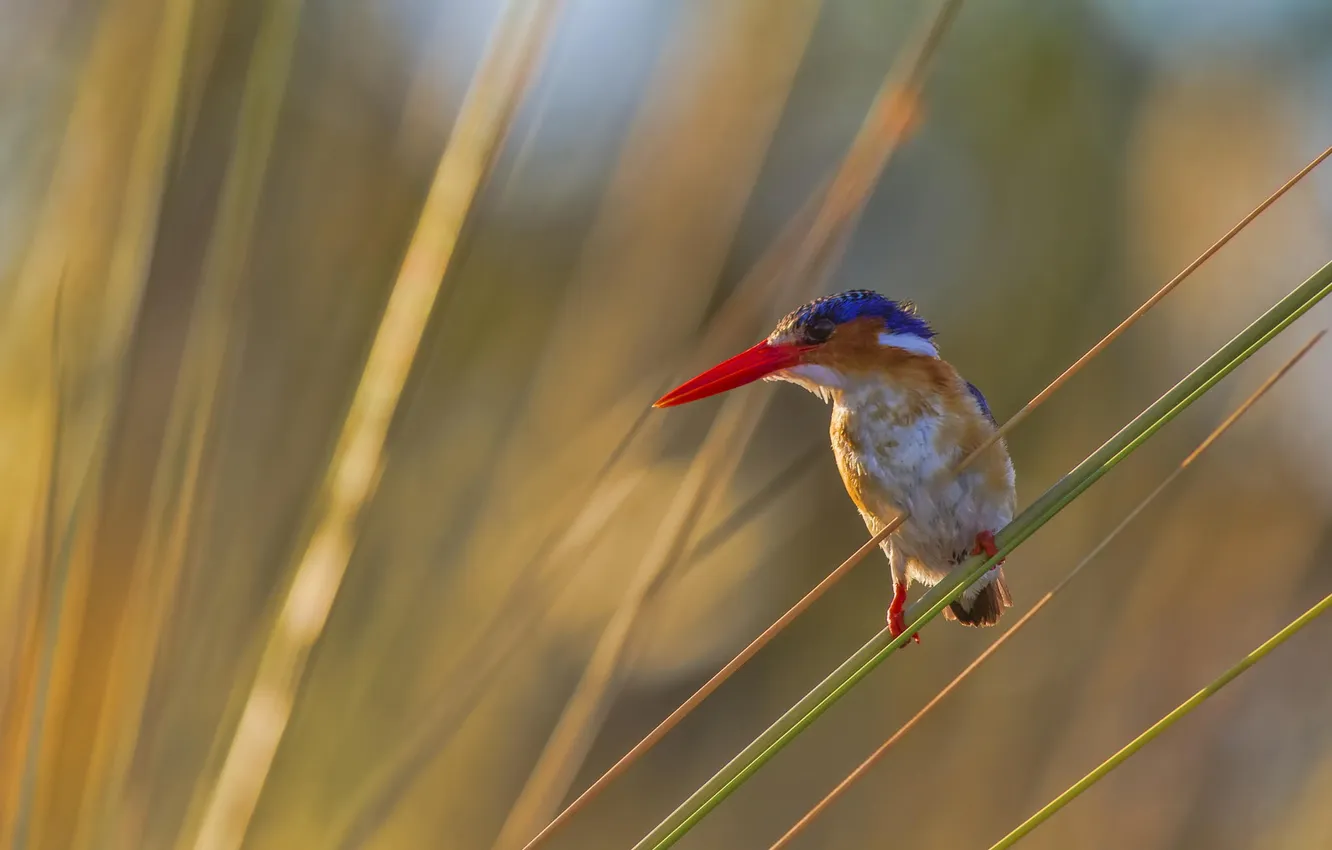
986	546
897	611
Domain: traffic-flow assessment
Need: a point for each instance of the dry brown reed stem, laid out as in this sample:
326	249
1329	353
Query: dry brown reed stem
745	512
767	74
906	727
1146	305
497	642
516	620
890	118
501	638
354	469
486	657
766	637
737	312
582	716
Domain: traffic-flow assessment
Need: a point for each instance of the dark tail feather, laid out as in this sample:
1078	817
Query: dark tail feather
985	609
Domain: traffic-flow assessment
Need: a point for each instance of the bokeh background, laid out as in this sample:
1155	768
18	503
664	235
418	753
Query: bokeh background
187	302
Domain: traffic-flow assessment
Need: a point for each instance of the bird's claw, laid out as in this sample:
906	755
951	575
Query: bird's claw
986	546
897	619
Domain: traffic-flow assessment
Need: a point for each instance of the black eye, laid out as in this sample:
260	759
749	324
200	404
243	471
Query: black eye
820	330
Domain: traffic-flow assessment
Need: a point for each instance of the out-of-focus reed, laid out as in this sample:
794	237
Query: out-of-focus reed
355	465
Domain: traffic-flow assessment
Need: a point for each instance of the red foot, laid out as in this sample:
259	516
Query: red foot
897	610
986	546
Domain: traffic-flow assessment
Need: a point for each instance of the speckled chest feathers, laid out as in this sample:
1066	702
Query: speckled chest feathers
896	434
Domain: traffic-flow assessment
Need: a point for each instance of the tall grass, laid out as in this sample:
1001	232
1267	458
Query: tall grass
206	366
357	457
226	215
57	262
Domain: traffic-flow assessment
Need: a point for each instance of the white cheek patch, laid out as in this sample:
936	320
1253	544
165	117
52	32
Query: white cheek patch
908	342
816	374
819	380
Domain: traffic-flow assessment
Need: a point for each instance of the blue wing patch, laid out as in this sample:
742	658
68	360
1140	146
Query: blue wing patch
980	399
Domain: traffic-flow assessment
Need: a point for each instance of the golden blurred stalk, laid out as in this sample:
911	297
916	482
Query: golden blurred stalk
586	709
122	198
526	607
159	558
354	469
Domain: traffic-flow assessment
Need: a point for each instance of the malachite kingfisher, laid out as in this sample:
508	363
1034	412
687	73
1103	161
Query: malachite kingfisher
902	419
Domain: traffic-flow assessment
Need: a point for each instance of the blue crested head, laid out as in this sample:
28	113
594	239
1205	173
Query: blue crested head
823	314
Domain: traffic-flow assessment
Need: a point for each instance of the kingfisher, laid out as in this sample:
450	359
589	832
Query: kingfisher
902	419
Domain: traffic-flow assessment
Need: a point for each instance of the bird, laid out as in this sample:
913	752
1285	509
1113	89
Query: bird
902	419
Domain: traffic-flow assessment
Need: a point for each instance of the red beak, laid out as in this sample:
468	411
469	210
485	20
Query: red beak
744	368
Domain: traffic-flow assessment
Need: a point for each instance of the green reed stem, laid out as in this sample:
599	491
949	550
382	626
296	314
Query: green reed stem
1035	609
1161	725
801	715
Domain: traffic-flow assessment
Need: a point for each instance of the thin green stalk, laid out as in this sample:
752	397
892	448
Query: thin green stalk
1131	436
1163	724
874	757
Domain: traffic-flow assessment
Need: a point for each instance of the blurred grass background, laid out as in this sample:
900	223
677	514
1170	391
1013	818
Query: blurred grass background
204	207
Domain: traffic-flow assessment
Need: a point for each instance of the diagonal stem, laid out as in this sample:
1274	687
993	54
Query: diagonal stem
680	713
850	672
878	754
1148	304
1161	725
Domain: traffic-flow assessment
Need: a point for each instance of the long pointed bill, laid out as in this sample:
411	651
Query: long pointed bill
746	367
